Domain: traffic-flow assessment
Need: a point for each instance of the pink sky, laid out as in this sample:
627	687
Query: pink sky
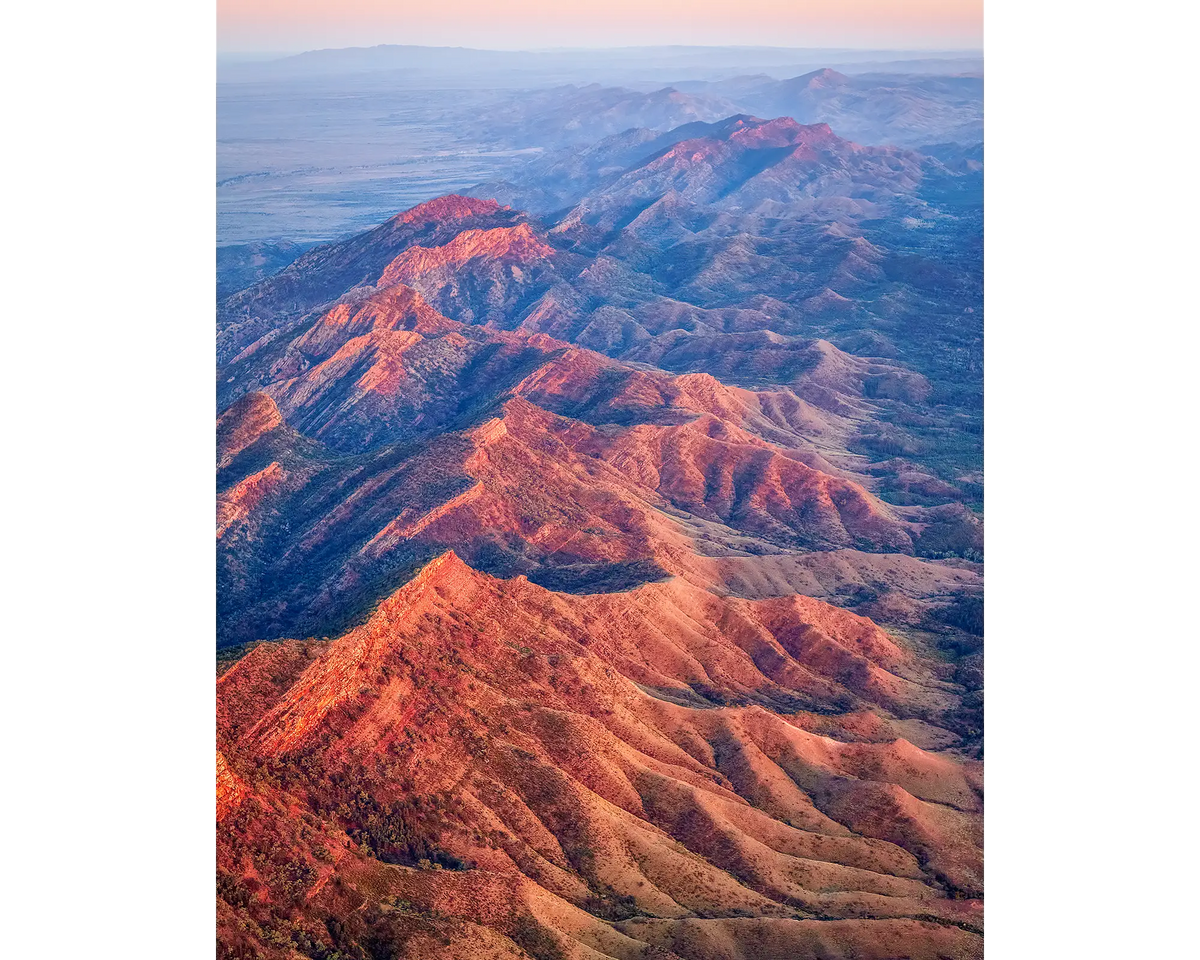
294	25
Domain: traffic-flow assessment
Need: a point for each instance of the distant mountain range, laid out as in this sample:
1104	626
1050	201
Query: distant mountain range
670	62
899	110
338	153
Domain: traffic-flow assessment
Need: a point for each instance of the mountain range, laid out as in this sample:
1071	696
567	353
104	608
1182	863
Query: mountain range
896	109
599	560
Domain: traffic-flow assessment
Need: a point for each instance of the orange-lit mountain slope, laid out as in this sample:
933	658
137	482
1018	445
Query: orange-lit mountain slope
605	588
486	761
381	432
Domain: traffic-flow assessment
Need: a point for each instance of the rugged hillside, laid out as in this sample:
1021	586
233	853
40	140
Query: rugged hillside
747	164
383	432
885	109
729	248
647	535
326	272
659	773
743	228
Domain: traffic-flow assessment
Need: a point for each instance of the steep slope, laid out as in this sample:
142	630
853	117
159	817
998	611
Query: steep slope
709	257
636	475
380	367
746	163
606	758
308	538
647	538
365	440
713	240
326	272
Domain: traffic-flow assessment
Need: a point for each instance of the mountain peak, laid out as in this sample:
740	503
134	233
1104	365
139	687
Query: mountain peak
821	78
780	131
445	576
453	206
444	566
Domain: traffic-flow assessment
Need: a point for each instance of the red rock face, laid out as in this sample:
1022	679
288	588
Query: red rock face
236	504
399	308
513	245
244	423
231	791
645	745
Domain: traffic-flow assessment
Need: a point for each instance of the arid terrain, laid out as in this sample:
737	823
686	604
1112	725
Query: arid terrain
600	546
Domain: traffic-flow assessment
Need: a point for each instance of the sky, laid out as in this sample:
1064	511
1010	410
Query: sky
296	25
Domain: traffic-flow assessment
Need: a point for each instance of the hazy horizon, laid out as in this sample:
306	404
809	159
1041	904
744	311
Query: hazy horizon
245	55
272	27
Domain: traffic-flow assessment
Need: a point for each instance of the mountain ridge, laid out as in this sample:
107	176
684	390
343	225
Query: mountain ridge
607	582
